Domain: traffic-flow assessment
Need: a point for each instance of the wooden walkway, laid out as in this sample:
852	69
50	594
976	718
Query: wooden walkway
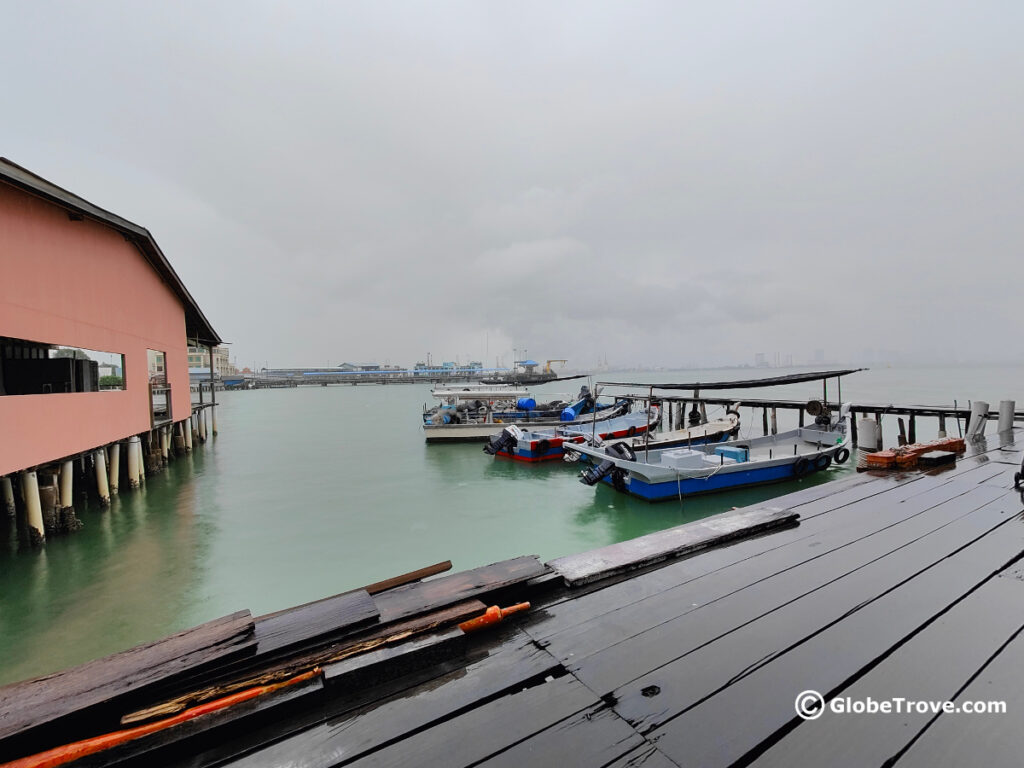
877	585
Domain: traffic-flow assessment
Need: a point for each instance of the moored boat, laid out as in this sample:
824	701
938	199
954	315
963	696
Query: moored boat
673	473
476	413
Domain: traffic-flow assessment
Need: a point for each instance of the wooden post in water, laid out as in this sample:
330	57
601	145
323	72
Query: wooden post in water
902	439
33	509
114	468
764	420
7	491
878	420
853	426
99	462
775	422
912	433
942	425
801	412
133	461
67	473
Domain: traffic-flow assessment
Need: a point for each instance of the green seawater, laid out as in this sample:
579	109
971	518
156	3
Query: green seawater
312	491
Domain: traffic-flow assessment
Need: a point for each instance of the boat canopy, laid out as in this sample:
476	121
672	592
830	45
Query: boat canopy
771	381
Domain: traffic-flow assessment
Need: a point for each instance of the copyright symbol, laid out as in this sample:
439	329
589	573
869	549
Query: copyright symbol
810	705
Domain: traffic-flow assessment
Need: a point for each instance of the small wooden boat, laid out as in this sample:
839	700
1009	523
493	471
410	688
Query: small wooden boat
672	473
635	429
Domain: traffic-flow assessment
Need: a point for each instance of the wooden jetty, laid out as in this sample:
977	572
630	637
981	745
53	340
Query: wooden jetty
683	648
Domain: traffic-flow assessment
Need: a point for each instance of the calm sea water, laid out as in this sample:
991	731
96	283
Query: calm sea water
313	491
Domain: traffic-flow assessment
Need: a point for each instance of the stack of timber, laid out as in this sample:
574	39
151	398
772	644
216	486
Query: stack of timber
686	647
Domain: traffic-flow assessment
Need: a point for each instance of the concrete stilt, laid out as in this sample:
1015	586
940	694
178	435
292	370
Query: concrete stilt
213	418
67	473
7	490
99	462
1006	409
202	425
133	461
164	446
114	468
186	427
33	509
142	463
942	426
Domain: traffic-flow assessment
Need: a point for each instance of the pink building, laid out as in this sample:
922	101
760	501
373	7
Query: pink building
84	294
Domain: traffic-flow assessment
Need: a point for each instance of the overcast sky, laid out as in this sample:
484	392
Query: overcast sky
655	183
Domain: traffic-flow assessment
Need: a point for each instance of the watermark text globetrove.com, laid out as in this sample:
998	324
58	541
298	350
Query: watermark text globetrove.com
810	705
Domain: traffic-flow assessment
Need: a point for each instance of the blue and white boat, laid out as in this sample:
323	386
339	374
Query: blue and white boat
673	473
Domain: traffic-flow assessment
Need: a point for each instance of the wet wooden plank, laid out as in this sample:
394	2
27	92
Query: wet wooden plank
74	692
347	737
757	702
646	756
639	637
973	738
436	593
594	737
366	668
933	666
408	578
762	555
731	637
652	548
290	628
486	730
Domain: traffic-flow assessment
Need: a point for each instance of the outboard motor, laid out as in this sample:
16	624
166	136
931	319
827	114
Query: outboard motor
594	475
506	440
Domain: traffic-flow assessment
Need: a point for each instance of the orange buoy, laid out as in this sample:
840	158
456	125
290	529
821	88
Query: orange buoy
492	615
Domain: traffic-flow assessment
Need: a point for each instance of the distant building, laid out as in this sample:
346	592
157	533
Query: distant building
760	361
199	357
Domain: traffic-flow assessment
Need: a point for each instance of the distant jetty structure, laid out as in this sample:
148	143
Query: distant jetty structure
94	379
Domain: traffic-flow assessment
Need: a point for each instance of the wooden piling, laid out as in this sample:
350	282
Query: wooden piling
912	432
853	427
775	422
878	420
33	509
99	460
764	421
133	461
7	491
114	468
942	426
801	411
902	439
67	499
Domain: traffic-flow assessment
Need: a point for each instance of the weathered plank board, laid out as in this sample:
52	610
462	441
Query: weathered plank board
655	547
732	637
516	662
766	583
73	692
979	739
593	737
829	660
436	593
643	757
858	520
359	670
933	666
293	627
487	729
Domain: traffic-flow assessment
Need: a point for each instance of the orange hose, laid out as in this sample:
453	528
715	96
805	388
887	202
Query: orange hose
65	754
492	615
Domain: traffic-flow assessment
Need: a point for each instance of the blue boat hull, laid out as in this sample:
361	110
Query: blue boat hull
696	486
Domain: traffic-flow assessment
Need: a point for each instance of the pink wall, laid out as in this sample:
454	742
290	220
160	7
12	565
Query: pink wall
81	284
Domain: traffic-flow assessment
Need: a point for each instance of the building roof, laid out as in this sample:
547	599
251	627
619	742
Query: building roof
197	327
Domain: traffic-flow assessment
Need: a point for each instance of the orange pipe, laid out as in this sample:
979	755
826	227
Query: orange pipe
492	615
78	749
